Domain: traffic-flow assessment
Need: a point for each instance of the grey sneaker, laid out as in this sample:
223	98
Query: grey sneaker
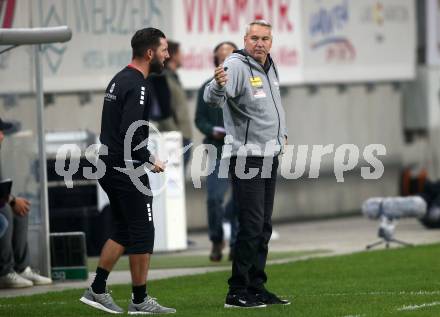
149	306
103	302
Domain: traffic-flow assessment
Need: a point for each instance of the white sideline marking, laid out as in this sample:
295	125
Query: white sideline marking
415	307
378	293
53	303
33	304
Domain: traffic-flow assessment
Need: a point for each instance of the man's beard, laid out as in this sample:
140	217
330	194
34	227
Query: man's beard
156	66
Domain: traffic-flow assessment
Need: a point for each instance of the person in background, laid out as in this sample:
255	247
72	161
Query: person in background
209	121
3	221
3	224
15	270
179	119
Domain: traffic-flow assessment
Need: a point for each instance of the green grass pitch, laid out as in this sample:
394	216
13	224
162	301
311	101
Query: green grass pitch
395	282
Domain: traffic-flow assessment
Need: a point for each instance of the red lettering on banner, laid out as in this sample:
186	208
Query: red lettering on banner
8	13
340	52
240	9
195	59
212	4
258	10
270	11
330	54
241	5
189	13
225	17
288	56
200	16
283	18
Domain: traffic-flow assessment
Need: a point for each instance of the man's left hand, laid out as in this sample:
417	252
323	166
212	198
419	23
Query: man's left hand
21	207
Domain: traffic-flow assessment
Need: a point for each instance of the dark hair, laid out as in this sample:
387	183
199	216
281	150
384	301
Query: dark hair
216	61
145	39
173	48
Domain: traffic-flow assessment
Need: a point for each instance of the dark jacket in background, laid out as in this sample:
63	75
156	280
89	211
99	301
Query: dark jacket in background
174	96
207	118
161	98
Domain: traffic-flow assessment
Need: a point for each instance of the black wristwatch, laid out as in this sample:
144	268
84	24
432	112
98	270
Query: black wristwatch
13	201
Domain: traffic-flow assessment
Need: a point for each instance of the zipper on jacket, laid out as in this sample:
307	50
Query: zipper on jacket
273	99
247	130
276	108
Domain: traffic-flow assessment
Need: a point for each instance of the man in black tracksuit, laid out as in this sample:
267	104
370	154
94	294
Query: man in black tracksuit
246	86
127	103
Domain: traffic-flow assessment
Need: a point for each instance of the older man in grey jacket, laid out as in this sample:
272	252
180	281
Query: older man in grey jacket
247	88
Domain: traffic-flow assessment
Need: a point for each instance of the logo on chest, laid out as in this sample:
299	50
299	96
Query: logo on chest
257	87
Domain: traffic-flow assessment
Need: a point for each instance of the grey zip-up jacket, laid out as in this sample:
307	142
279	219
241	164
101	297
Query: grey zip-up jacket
251	102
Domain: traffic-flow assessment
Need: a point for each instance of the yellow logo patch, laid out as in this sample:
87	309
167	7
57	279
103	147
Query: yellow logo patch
256	81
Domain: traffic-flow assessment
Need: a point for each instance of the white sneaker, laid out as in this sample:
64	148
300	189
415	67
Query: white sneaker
34	277
13	280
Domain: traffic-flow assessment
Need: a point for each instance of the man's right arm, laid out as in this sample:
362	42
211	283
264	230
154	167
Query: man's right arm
215	94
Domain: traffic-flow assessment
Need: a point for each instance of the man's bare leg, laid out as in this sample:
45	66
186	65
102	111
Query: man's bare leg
110	254
139	265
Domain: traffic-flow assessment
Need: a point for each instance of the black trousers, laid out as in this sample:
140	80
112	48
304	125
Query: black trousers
132	215
255	198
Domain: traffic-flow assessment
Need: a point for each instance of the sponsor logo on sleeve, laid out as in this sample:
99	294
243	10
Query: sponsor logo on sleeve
109	96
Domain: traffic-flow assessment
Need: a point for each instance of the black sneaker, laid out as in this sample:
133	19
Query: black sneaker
268	298
242	300
216	251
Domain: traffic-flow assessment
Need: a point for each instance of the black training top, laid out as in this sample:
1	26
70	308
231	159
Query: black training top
126	100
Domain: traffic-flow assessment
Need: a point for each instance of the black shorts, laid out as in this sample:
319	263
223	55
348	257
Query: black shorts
132	214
